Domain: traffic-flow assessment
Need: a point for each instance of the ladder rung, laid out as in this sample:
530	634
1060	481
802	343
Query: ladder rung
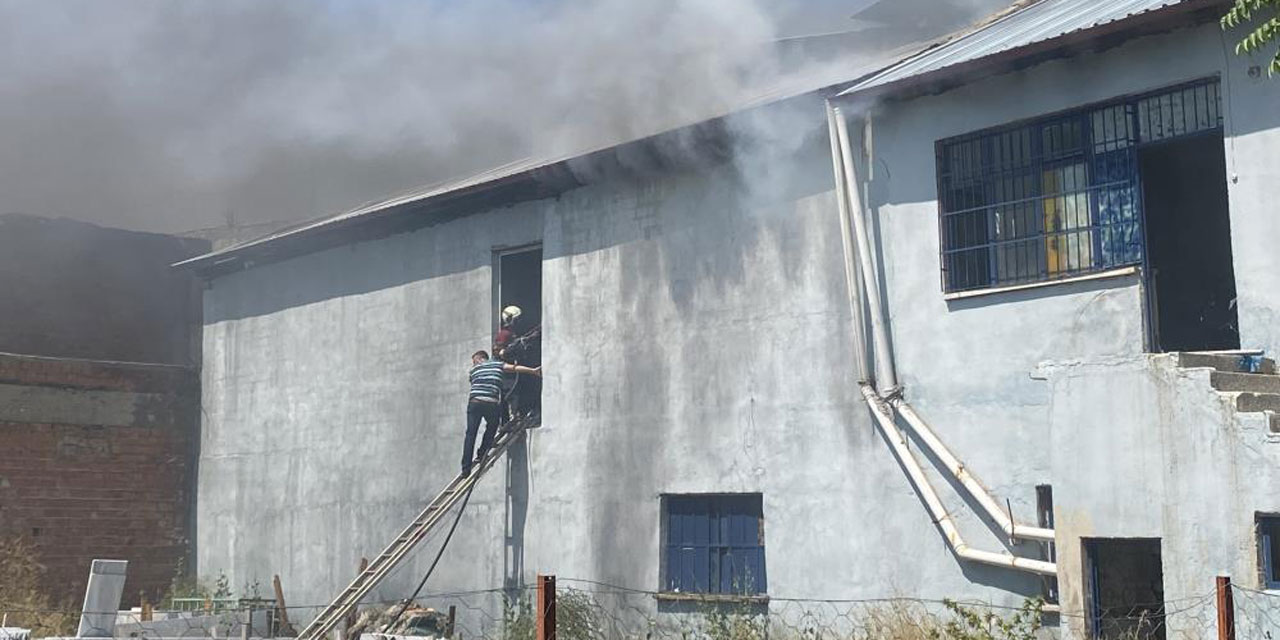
426	520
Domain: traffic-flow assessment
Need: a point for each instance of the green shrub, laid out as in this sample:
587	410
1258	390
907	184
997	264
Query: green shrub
22	597
971	623
576	618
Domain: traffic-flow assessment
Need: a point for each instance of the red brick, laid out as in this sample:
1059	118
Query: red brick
129	500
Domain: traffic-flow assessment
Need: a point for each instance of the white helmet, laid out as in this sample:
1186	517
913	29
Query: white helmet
510	313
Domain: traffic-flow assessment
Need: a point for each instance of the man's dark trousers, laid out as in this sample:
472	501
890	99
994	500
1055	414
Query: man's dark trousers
476	410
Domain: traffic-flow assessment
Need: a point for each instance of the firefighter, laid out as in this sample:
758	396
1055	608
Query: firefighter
506	332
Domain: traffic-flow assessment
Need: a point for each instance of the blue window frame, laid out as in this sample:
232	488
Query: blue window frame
714	544
1269	550
1059	196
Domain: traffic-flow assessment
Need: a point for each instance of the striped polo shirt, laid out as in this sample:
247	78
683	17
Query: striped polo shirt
486	380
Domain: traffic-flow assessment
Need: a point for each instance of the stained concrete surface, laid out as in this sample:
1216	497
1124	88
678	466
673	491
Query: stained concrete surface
24	403
972	366
1168	458
695	341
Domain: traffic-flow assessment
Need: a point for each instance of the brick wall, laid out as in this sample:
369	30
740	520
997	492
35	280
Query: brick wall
97	461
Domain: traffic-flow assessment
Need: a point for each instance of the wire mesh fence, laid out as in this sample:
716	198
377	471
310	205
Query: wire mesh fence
591	610
1257	613
604	611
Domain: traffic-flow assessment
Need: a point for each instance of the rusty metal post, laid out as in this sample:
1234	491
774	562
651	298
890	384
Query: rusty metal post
453	618
1226	610
546	607
283	627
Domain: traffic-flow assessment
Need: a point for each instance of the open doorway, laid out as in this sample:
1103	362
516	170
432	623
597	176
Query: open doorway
1125	587
518	334
1190	281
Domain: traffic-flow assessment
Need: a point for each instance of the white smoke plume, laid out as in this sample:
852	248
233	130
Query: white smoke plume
164	115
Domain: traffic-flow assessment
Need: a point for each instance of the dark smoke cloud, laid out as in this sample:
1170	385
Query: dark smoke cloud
165	115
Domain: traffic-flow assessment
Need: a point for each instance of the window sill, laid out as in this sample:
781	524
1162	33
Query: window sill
676	596
1101	275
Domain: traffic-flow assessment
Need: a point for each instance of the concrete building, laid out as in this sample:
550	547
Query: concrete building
1053	211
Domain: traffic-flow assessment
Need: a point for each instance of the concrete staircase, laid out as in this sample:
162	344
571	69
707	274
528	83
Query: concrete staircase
1249	377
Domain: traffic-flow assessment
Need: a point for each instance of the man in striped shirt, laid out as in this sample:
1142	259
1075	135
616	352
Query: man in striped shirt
486	397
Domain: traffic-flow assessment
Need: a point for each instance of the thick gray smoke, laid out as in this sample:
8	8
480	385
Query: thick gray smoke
162	115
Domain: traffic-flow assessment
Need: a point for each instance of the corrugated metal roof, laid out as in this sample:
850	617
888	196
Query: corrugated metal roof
408	197
1038	22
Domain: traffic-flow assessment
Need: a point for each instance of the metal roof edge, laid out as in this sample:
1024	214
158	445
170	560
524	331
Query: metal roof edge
425	201
951	39
490	178
959	72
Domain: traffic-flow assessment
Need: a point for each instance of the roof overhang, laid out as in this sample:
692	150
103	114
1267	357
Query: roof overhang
1096	38
691	146
508	188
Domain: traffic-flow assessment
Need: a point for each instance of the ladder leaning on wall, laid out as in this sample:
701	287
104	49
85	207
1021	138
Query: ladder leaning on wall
336	612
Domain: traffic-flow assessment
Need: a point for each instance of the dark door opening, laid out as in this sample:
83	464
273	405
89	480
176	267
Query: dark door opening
1191	282
1044	518
520	285
1125	588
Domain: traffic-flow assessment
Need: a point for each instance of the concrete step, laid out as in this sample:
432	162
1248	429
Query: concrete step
1230	363
1253	402
1253	382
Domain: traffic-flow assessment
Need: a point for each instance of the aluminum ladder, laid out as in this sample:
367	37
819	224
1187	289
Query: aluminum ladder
381	567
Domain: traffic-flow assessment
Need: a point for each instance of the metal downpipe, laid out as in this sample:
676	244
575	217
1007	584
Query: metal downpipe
853	279
863	285
898	442
886	376
971	484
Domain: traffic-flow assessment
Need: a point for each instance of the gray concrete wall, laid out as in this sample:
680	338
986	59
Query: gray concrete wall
1169	458
1253	127
905	195
334	396
699	340
695	341
969	365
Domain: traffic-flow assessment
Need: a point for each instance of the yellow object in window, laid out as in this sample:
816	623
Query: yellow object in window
1066	207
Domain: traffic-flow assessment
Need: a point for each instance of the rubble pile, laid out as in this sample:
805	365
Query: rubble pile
416	622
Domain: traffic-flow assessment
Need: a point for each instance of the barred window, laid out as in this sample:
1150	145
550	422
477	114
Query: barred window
1059	196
